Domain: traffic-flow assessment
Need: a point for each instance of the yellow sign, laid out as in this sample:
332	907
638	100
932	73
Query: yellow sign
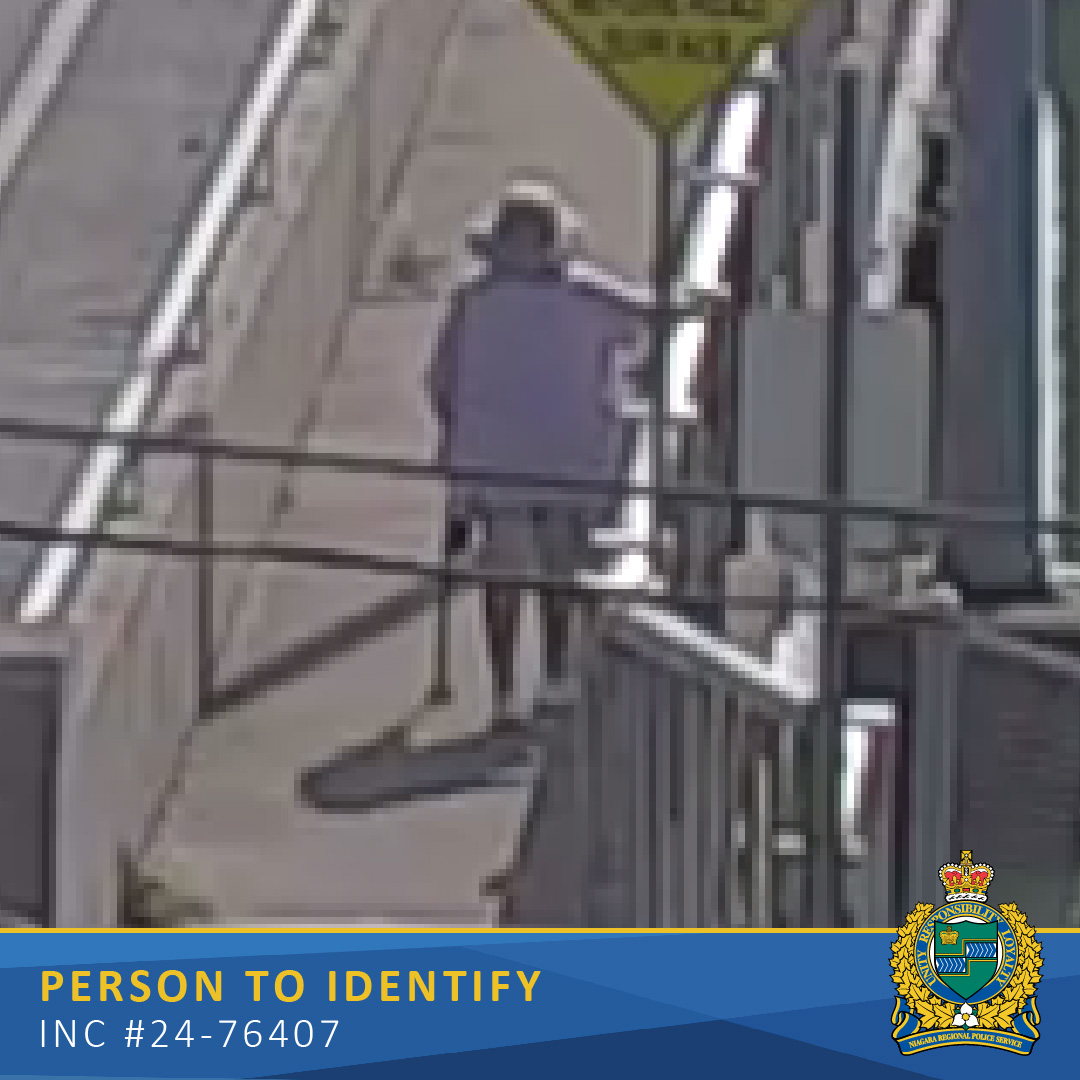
666	58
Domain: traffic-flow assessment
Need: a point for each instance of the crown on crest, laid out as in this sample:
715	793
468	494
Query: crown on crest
966	881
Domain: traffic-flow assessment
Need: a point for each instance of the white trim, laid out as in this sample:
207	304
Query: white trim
132	410
724	655
1049	368
856	747
632	292
869	712
901	167
704	266
701	273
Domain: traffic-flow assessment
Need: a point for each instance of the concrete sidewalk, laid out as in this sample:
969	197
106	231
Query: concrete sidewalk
21	22
512	97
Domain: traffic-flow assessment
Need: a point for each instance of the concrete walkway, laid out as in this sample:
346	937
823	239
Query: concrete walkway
511	97
49	33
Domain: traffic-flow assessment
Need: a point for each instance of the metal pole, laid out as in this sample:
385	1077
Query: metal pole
827	729
440	692
204	581
663	282
1062	32
773	276
1039	548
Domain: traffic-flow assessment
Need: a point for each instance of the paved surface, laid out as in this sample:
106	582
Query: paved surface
511	97
18	20
32	82
89	221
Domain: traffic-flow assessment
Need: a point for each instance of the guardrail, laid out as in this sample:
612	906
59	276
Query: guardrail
685	749
693	758
687	792
688	756
708	732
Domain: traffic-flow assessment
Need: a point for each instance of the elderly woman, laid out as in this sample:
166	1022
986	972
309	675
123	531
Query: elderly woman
525	381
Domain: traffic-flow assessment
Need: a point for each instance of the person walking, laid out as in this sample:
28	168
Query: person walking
526	381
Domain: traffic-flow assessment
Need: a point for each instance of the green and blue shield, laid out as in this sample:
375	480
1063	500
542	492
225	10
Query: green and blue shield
965	955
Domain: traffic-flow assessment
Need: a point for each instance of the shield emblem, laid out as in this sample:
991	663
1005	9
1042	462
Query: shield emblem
965	955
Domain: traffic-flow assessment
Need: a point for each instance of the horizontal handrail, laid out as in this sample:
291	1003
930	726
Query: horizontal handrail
713	653
333	557
926	513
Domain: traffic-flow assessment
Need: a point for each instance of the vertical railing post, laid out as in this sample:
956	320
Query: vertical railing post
691	911
1062	31
990	414
589	764
662	722
440	692
760	807
880	831
765	841
773	213
662	321
714	788
737	877
789	834
580	732
641	753
204	575
822	894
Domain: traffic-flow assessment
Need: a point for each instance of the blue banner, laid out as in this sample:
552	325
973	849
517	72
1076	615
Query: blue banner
475	1004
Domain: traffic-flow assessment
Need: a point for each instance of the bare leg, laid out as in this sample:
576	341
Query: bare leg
563	535
556	613
502	613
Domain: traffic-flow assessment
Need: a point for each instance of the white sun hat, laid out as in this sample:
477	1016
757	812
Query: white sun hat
541	192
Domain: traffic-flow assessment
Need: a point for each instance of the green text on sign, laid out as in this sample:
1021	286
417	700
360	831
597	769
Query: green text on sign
666	58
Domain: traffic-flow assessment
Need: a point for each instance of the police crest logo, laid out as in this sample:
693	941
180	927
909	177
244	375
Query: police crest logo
966	972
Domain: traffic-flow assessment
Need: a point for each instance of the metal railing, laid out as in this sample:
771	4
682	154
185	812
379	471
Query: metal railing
690	815
690	794
693	740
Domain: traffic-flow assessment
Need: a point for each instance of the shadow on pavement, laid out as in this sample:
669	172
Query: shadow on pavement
389	772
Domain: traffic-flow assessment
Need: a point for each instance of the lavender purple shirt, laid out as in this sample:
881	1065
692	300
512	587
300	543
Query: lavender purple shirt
528	377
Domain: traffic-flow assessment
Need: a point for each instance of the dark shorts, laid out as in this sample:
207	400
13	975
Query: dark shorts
550	542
